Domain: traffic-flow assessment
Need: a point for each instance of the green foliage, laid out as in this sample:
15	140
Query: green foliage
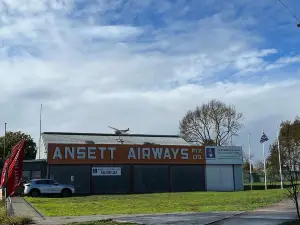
157	203
289	143
12	138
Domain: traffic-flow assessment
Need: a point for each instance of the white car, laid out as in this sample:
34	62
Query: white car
38	187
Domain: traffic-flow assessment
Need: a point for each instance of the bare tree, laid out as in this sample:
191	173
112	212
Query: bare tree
214	121
259	166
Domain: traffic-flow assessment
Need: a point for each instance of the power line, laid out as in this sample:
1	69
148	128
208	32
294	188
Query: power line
289	11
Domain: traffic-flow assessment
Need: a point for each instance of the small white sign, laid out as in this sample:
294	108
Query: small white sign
106	171
223	155
1	194
72	178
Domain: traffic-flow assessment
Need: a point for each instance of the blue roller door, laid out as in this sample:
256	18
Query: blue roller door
151	178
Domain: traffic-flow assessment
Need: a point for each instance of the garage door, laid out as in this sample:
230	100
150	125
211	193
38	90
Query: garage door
219	178
150	178
110	179
77	175
187	178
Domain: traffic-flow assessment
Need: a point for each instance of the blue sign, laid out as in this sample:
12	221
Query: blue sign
210	153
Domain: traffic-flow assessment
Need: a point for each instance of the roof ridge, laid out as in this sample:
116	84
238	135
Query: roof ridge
109	134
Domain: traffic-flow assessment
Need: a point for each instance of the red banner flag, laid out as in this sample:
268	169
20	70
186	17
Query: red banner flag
15	169
8	161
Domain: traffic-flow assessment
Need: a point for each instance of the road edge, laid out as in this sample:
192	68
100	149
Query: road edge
36	210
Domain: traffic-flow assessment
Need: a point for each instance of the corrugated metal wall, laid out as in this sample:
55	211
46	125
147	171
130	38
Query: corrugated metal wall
187	178
219	178
151	178
81	173
238	178
112	184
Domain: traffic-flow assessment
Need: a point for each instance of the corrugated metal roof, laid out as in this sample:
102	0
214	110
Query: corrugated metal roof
81	138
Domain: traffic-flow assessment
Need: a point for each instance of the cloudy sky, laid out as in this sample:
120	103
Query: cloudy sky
143	63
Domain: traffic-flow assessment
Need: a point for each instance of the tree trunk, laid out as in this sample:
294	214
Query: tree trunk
297	207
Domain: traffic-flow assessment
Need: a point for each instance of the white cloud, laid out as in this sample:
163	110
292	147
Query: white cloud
109	32
145	83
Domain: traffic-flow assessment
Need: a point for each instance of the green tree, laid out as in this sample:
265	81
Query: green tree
214	121
12	138
289	143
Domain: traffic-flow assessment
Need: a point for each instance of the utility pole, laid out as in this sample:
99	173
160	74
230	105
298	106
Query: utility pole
279	157
39	147
250	163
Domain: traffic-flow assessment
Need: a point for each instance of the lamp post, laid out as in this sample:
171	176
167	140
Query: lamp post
4	148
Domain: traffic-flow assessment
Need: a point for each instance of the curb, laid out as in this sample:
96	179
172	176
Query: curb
37	211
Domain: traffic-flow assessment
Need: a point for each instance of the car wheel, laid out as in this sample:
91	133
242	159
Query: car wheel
66	193
35	193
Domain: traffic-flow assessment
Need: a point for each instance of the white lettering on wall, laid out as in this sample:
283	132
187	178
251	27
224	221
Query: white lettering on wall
157	152
184	153
112	149
57	153
102	149
135	153
81	153
146	153
91	152
131	154
167	154
139	153
175	152
69	151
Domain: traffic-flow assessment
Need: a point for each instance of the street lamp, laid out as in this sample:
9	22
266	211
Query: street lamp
298	25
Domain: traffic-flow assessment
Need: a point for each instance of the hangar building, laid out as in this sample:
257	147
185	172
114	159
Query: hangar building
135	163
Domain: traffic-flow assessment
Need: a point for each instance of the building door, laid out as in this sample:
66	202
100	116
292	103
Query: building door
219	178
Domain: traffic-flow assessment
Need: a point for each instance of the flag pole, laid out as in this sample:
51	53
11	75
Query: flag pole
263	146
250	169
279	158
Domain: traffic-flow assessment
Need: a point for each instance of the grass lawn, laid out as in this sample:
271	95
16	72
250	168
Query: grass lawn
157	203
102	222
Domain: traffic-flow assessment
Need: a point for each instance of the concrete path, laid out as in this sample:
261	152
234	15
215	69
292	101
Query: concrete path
169	218
273	215
20	207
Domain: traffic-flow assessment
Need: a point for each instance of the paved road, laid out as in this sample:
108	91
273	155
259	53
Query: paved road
273	215
262	218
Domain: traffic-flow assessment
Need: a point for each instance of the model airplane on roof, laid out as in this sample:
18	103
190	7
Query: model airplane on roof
118	131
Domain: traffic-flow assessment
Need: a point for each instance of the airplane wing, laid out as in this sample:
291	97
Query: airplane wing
113	128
